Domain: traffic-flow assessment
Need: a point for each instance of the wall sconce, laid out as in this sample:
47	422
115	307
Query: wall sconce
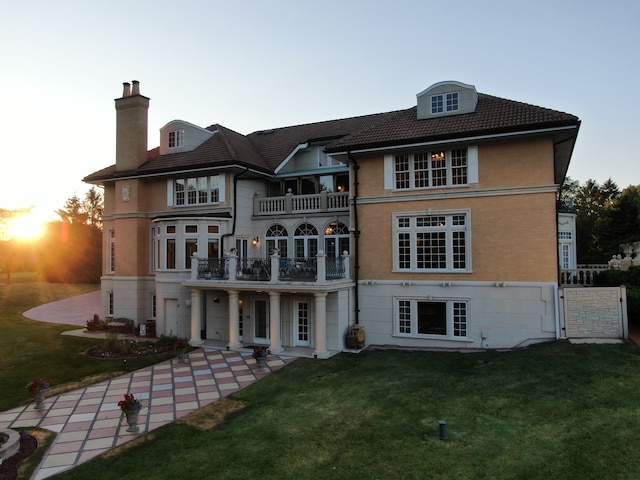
256	241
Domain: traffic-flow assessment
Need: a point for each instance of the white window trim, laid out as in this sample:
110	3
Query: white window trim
449	269
171	191
414	319
443	98
472	170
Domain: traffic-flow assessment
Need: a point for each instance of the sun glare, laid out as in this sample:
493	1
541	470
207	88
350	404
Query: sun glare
26	227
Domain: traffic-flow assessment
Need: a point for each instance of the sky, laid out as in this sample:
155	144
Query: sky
252	64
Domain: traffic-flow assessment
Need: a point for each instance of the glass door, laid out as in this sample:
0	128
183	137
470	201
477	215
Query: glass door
261	321
301	312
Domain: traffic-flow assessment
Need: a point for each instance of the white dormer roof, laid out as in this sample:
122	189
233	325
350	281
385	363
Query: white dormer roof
446	98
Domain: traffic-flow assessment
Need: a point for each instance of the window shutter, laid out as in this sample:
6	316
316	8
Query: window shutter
472	159
388	172
170	193
221	187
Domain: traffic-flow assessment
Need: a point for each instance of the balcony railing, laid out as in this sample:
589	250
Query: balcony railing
309	269
582	276
297	204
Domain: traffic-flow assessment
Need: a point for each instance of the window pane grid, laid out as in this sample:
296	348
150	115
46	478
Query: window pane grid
458	167
404	316
459	319
402	171
196	191
404	250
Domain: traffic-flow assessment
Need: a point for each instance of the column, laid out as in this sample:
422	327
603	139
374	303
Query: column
234	320
321	325
196	318
274	322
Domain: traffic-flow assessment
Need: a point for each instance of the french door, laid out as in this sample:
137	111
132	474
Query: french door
302	322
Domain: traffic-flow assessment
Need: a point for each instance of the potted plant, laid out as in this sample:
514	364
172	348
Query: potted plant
181	348
38	387
260	355
130	407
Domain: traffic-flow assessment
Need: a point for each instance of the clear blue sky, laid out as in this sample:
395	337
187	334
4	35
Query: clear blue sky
253	65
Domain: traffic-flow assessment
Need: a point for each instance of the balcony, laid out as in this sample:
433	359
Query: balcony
274	269
581	276
323	202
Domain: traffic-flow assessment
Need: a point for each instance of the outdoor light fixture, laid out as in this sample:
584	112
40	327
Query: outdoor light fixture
256	241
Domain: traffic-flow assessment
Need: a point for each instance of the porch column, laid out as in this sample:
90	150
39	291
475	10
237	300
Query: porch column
196	318
321	325
234	320
274	322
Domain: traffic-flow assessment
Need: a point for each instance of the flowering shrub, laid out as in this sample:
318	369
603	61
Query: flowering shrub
130	403
181	344
38	384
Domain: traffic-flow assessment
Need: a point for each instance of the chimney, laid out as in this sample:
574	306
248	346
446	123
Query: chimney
131	128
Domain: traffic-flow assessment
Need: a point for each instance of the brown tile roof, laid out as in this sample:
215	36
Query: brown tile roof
493	115
265	150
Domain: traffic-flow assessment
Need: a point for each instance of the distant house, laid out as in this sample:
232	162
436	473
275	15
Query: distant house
432	226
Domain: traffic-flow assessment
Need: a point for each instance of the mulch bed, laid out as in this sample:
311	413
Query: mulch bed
9	467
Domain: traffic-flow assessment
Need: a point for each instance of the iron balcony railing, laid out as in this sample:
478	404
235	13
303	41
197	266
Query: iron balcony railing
308	269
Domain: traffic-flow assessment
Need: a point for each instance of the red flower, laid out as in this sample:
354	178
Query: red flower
38	384
129	403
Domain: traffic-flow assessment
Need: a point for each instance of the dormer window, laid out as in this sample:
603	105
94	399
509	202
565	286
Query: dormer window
176	138
448	102
446	98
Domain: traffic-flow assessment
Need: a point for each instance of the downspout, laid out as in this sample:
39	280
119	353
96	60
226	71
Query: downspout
235	210
356	236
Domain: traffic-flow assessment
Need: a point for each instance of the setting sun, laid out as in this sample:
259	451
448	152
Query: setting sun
26	227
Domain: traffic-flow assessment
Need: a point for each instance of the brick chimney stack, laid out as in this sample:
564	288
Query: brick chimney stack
131	128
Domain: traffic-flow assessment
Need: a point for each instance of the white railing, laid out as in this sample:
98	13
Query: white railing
582	276
297	204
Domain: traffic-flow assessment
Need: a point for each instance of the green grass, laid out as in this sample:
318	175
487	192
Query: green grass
31	349
551	411
554	411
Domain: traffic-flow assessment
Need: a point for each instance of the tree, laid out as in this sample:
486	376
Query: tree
589	202
14	253
73	211
93	206
77	241
620	222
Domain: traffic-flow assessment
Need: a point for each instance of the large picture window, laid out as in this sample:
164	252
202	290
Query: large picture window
432	242
444	318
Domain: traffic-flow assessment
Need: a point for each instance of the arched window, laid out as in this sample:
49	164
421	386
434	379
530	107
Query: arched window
306	241
276	237
336	239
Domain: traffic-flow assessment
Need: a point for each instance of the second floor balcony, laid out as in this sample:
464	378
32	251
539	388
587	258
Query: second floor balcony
291	204
274	269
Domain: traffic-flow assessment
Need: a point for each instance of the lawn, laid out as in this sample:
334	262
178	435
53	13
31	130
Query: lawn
553	411
31	349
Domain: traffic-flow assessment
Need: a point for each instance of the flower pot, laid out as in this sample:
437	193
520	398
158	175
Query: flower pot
132	420
182	352
39	398
261	361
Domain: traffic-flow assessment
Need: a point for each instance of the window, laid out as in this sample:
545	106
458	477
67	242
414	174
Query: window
176	138
110	303
112	251
276	237
190	247
432	242
446	102
171	254
431	169
442	318
196	190
153	306
306	241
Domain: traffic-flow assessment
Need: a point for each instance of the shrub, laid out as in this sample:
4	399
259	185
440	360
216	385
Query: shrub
629	278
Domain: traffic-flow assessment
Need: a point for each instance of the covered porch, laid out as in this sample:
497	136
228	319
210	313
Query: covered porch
299	319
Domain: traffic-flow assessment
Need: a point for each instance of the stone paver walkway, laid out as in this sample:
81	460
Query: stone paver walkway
89	422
